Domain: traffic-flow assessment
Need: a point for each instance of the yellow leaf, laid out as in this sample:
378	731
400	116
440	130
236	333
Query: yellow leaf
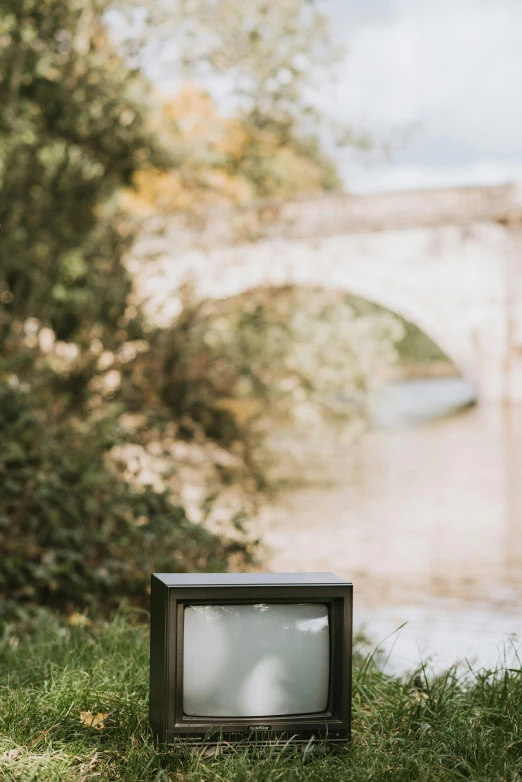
78	620
90	720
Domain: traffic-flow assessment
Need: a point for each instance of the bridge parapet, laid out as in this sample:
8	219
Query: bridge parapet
330	215
335	214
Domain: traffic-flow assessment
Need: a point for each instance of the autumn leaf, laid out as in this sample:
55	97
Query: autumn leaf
78	620
90	720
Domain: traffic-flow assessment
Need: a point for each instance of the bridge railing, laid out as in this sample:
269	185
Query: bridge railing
330	214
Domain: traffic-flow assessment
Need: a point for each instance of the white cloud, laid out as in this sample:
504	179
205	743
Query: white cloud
362	178
453	68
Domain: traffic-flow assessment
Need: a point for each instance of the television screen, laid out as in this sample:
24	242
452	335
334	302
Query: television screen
255	660
255	657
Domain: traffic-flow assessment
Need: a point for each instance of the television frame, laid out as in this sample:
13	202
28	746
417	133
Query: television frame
172	592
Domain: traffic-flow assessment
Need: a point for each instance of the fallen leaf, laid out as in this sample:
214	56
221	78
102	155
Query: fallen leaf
78	620
10	755
90	720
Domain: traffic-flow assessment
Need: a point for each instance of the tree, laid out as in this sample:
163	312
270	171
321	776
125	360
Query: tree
268	58
224	160
73	129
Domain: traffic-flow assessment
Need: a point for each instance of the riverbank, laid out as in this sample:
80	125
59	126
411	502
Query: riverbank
417	728
420	370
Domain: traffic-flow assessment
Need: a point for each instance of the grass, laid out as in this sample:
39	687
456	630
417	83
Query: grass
451	727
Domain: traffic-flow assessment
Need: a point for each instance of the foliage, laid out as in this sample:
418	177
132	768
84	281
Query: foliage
226	160
413	346
266	61
269	52
72	533
416	347
72	130
75	127
447	728
278	353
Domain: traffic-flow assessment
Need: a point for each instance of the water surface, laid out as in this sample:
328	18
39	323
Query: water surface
424	515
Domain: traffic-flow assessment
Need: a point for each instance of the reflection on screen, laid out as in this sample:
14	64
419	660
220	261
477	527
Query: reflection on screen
255	660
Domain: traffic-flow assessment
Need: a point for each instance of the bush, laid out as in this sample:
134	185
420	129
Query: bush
288	353
72	533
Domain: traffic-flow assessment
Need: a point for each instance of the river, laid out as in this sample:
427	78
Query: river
424	515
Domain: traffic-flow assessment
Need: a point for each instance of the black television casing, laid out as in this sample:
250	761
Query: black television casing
171	592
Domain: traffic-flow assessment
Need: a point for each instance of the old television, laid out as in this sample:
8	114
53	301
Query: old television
260	657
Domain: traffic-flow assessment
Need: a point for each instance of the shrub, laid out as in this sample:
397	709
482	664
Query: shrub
72	533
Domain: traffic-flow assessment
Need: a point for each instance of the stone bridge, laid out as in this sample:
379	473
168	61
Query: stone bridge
449	261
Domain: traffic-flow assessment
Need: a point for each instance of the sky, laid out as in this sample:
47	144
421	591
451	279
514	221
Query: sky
438	81
441	80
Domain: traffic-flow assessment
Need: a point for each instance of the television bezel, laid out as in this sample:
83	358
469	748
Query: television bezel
172	592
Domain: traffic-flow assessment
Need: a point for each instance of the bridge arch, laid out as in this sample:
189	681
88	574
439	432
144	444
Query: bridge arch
436	279
374	294
448	263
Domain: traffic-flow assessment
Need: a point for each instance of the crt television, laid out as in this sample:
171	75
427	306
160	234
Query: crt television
260	656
